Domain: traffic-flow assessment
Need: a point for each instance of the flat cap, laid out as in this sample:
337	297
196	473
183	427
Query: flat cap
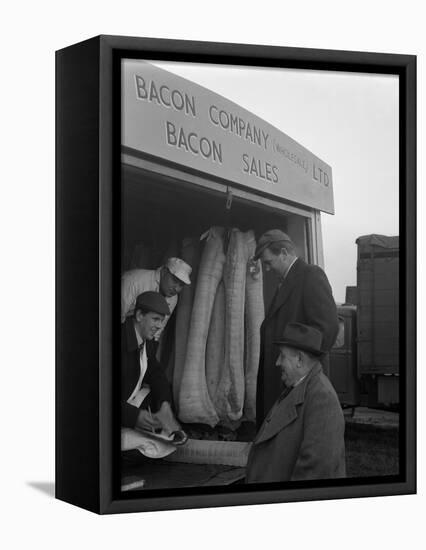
303	337
152	301
268	238
179	269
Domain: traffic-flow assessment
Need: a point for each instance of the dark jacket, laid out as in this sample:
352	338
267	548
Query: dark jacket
304	297
302	437
130	371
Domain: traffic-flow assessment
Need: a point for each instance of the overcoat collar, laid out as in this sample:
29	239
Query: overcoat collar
286	287
284	412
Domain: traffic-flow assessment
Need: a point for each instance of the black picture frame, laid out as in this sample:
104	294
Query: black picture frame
87	205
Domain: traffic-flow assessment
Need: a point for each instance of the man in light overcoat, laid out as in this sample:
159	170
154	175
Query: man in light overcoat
302	437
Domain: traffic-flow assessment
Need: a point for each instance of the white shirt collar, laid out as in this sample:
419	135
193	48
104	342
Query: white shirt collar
283	277
299	381
138	338
289	267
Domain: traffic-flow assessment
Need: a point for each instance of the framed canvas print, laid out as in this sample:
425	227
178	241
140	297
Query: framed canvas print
235	243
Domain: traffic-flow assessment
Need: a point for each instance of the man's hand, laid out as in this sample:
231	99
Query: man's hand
147	421
167	418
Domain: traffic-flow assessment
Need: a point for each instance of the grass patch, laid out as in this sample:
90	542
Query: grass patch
371	450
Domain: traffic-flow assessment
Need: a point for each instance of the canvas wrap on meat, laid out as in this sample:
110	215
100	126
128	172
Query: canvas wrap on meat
254	315
190	254
195	404
215	352
215	378
230	393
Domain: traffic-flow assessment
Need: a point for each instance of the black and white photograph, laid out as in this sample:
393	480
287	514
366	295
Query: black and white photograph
213	247
259	277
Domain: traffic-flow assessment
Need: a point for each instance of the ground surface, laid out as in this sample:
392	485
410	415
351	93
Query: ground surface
371	450
371	440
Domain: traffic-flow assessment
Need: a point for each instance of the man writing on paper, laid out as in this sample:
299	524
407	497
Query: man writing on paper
302	437
145	392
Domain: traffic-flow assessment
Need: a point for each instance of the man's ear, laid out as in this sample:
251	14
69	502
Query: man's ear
284	252
138	316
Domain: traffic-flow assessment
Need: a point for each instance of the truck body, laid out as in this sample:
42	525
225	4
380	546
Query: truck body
365	359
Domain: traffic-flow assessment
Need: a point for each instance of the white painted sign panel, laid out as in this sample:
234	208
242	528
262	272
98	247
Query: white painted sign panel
172	118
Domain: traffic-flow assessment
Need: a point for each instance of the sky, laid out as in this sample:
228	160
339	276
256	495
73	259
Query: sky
350	121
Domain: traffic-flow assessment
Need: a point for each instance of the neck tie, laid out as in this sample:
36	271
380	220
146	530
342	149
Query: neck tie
284	394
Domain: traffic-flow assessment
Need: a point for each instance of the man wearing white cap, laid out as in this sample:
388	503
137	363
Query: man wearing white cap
168	280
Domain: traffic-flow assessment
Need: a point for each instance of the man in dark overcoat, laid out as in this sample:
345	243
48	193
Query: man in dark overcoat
302	437
303	295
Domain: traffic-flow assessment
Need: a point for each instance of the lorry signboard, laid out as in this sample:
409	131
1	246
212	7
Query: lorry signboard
172	118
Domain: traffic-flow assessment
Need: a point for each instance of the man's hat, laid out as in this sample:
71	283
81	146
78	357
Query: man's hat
152	301
179	269
303	337
268	238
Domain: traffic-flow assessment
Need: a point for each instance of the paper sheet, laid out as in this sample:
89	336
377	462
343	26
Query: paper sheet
148	446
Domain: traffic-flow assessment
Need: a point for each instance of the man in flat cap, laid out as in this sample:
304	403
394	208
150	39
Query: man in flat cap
302	437
145	392
303	295
168	280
